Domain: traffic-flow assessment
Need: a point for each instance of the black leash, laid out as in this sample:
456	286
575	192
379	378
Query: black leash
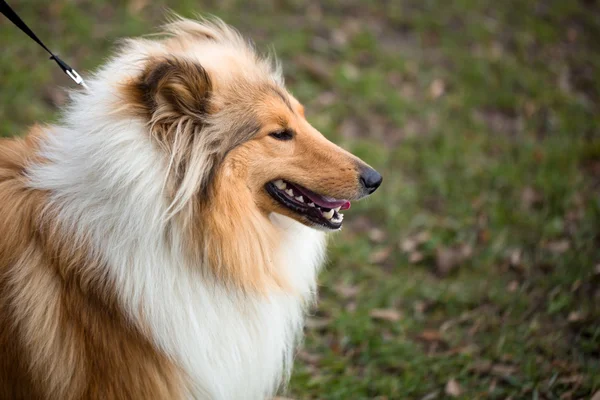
15	19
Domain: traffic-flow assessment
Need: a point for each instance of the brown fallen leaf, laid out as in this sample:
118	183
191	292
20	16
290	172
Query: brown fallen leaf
481	366
415	257
315	67
317	323
445	260
515	258
431	396
135	6
531	198
379	256
437	88
453	389
423	237
575	316
576	379
502	370
596	396
493	385
430	335
408	245
308	357
512	286
558	246
351	307
386	314
420	306
449	258
346	291
377	235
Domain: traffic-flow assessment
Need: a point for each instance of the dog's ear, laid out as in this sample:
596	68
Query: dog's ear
174	87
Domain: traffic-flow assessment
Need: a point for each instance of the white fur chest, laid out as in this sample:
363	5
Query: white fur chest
239	347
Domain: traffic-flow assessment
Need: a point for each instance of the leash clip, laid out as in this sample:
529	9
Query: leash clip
75	76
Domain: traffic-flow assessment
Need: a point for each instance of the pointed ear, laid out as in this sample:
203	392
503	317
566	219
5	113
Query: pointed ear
174	87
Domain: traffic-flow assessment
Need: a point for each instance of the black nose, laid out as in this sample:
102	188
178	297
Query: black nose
370	179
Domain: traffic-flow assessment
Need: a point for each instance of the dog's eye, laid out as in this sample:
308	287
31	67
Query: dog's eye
285	134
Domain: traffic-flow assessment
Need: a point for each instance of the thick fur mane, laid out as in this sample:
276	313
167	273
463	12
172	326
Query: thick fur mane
136	263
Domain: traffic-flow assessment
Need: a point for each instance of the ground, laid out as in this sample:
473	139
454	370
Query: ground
474	272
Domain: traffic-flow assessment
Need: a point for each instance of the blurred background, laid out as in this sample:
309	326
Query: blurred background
474	272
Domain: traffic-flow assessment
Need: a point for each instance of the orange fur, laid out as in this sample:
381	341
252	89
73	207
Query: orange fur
63	335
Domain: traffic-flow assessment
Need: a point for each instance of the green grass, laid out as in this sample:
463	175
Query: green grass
483	244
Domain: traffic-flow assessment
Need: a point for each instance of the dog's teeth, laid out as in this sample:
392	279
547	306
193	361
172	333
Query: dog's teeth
300	199
338	218
280	184
327	214
337	208
311	204
290	192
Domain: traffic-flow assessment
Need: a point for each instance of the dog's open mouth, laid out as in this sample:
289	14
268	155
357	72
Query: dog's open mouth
322	210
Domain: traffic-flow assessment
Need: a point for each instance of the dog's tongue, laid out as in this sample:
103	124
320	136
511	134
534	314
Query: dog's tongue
322	201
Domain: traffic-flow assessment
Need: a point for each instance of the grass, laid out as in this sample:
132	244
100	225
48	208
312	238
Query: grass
475	271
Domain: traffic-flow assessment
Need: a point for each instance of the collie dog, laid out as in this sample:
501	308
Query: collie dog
163	240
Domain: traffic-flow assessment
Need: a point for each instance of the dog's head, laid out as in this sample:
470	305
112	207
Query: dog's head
227	123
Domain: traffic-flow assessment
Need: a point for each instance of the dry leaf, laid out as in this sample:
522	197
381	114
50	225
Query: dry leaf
339	38
423	237
445	260
135	6
315	67
326	99
503	370
347	291
430	335
481	366
512	286
515	258
575	316
387	314
531	198
493	385
379	256
431	396
317	323
351	307
377	235
437	88
596	396
466	251
453	388
420	307
408	245
558	246
448	258
308	357
415	257
570	380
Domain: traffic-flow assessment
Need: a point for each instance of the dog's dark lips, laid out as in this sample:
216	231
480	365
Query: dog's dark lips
321	210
